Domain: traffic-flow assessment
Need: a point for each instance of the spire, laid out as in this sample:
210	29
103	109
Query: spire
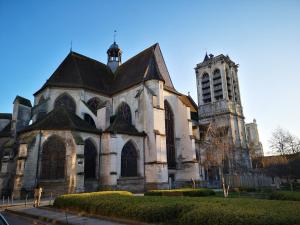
206	57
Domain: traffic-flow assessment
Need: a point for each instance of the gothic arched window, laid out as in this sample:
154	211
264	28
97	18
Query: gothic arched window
129	160
170	137
90	156
124	112
94	104
53	158
89	119
217	81
205	83
65	101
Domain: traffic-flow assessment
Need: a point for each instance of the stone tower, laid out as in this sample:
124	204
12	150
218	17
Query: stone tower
253	140
219	101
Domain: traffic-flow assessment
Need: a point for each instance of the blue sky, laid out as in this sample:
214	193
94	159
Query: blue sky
262	36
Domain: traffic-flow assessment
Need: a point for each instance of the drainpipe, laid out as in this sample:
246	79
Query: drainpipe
144	157
99	158
38	159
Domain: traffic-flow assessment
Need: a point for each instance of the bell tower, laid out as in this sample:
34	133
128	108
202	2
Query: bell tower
219	102
114	59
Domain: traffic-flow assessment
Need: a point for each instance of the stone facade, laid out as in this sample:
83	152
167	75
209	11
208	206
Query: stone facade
115	127
220	103
146	101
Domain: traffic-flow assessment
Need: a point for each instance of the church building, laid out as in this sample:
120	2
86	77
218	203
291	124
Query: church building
117	126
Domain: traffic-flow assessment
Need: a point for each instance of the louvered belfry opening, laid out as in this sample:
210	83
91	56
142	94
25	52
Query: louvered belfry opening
170	138
90	156
53	158
129	159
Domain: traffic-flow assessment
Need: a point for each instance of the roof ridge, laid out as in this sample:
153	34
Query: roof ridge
86	57
138	54
162	56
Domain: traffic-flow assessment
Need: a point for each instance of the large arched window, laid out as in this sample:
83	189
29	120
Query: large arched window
129	160
170	138
89	119
95	104
205	83
65	101
90	156
124	112
53	158
217	81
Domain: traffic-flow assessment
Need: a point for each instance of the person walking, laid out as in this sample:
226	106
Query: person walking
37	195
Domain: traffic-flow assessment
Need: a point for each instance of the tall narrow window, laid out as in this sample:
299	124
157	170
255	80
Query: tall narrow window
124	112
90	156
53	158
217	81
129	160
65	101
205	83
170	138
229	86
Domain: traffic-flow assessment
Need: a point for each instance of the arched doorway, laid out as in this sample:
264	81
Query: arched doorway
129	160
53	159
170	138
90	156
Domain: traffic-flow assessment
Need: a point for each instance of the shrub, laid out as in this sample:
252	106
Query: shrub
285	195
182	192
185	210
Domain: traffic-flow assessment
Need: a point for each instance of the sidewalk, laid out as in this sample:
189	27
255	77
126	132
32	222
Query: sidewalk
59	217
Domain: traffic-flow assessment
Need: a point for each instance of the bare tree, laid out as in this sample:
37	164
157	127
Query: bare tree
287	145
217	151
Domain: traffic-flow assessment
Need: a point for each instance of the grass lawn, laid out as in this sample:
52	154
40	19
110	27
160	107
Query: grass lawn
183	210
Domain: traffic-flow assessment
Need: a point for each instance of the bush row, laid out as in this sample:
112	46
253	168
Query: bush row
285	195
199	192
185	210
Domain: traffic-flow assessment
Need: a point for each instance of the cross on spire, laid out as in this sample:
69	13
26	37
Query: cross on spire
115	34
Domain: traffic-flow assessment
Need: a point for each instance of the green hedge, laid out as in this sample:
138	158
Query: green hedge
182	192
185	210
285	195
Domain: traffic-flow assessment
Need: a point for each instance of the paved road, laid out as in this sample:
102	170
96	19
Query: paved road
13	219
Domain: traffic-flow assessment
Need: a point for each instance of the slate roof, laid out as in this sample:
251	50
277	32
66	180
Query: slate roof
189	102
61	119
83	72
6	116
119	126
6	132
23	101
